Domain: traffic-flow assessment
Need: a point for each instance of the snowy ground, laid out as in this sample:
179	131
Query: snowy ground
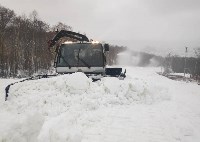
145	107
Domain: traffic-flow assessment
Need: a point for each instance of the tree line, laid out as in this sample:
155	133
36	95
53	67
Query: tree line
178	64
23	44
172	63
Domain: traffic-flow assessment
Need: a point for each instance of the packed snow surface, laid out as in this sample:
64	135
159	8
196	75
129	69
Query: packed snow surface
71	108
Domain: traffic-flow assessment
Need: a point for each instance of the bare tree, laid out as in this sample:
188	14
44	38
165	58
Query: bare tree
6	17
197	52
61	26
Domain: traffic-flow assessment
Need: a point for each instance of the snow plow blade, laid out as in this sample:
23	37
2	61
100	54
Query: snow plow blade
30	78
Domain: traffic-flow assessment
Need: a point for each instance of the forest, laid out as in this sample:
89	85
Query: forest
179	64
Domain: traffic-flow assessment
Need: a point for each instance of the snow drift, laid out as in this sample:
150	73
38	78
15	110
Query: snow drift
56	95
60	108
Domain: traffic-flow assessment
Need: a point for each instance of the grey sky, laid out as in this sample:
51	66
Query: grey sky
157	25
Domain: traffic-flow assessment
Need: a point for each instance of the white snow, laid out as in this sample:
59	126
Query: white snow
71	108
181	74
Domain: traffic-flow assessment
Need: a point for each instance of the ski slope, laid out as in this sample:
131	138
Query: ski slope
145	107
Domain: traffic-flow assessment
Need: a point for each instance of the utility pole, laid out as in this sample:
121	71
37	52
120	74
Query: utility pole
196	63
186	50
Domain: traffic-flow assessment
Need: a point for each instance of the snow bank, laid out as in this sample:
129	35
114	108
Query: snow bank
53	96
59	108
20	128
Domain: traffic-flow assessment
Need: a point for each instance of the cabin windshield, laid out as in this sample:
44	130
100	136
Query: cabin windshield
80	55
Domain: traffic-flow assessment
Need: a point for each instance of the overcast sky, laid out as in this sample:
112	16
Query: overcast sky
151	25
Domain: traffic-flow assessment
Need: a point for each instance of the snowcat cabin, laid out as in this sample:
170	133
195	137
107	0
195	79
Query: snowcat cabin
81	57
